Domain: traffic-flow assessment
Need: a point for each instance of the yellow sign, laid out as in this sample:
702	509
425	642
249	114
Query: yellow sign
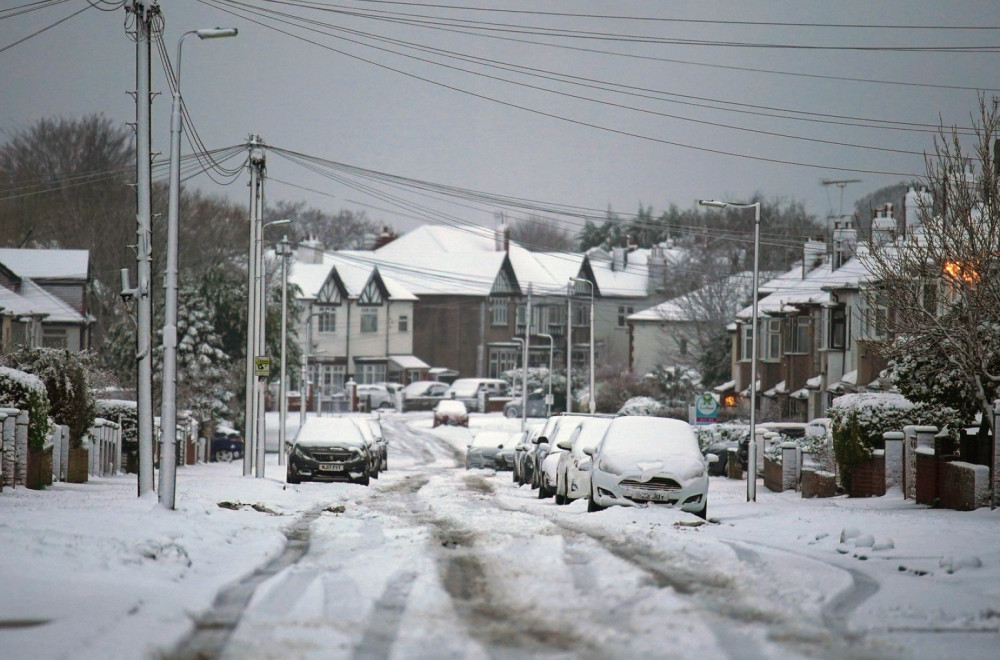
262	366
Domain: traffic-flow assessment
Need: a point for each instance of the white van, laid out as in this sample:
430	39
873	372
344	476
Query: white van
468	391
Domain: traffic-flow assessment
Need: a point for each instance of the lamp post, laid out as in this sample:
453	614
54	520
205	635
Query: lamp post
284	250
168	407
752	445
548	397
569	347
591	395
260	318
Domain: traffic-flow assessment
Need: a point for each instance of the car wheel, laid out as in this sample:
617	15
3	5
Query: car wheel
703	512
224	456
384	405
291	476
511	413
592	505
362	480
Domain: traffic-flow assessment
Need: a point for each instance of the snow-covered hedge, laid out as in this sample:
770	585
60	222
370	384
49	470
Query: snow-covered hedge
642	406
859	420
709	434
25	391
125	413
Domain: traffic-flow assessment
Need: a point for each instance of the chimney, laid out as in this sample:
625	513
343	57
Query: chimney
845	243
501	235
813	252
384	238
884	226
309	251
619	258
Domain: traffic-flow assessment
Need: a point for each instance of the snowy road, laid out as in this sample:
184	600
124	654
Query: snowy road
433	561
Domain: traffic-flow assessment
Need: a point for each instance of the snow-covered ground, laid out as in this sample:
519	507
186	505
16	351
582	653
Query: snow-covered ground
456	563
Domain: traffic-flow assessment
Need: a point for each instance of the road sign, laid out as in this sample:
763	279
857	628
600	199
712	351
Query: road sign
262	366
706	409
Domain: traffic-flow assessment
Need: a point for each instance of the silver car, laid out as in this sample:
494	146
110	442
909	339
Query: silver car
649	460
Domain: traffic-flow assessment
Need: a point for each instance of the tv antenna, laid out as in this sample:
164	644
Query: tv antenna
840	183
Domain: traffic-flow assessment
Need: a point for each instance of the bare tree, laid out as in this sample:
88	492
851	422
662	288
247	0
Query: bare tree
541	235
935	293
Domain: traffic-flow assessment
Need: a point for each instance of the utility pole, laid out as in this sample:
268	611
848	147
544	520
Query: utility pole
527	353
146	17
569	347
250	427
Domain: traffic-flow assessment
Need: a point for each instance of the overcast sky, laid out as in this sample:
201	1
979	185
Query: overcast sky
576	103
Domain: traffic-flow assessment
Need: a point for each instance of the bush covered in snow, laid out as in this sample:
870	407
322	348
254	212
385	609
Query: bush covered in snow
65	375
859	420
25	391
709	434
643	406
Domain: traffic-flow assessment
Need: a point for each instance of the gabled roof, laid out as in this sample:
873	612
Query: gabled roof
43	302
348	276
45	264
680	308
13	304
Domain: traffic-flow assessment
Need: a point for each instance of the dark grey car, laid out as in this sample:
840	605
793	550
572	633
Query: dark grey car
536	406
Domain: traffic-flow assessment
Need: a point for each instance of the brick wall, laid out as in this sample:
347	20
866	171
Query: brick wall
964	486
818	484
927	477
772	475
868	478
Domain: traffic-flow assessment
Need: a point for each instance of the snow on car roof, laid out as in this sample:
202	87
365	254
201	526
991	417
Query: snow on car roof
592	431
451	406
629	438
491	439
329	431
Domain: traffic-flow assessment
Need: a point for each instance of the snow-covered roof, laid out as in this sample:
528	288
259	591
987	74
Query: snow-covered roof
46	264
13	304
354	274
43	302
686	308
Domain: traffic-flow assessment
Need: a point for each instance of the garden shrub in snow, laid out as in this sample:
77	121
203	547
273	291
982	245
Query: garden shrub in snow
27	392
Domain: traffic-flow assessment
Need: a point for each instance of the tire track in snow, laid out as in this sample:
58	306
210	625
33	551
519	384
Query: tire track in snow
213	629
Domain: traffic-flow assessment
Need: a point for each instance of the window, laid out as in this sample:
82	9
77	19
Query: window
581	315
501	360
838	328
326	319
878	314
683	346
538	319
329	378
498	311
557	319
772	341
404	323
371	372
54	338
746	339
369	319
798	334
623	314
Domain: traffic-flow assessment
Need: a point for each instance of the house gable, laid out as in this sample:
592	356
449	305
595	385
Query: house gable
333	291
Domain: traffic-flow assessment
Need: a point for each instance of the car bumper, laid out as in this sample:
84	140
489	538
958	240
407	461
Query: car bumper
307	468
629	490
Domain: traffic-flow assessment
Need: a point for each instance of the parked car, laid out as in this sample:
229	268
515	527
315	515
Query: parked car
451	413
374	450
469	390
423	394
523	448
484	448
547	470
227	445
573	469
329	449
540	447
505	457
375	397
536	406
381	442
649	460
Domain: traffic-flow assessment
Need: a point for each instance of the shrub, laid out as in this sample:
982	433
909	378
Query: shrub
642	406
25	391
859	420
64	374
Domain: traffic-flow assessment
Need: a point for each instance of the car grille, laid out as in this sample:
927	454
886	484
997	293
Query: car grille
656	483
333	456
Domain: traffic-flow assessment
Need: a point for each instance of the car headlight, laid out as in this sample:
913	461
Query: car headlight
301	453
693	470
604	466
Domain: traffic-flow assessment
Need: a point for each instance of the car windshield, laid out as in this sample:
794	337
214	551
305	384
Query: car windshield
325	431
631	439
591	432
464	387
419	388
566	429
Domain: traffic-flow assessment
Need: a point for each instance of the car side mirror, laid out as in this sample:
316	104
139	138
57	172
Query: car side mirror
589	451
539	440
499	446
565	445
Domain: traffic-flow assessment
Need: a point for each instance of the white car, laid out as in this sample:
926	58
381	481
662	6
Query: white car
376	397
573	469
547	472
649	460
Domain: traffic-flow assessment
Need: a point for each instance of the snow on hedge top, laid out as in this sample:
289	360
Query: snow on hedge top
30	381
848	402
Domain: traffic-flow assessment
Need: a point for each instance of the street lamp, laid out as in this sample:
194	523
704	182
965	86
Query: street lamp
168	408
591	396
548	398
752	445
284	251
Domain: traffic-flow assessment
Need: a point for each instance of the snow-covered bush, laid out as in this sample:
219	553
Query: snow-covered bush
65	376
859	420
642	406
125	413
25	391
709	434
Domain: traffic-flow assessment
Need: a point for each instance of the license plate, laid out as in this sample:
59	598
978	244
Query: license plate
331	467
650	495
